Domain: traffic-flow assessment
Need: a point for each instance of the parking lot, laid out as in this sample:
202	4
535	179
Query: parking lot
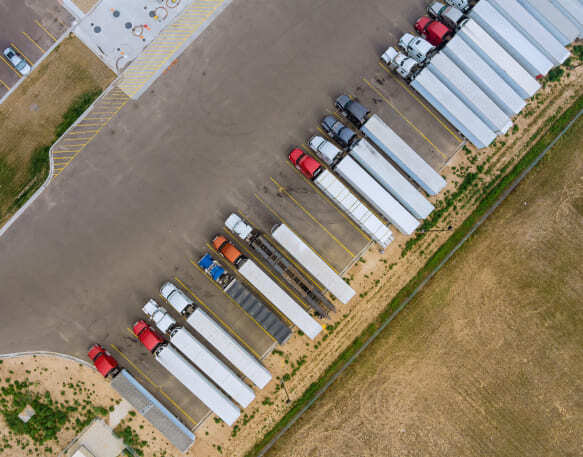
30	28
210	137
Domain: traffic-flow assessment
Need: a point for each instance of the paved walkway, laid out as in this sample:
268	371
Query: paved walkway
171	42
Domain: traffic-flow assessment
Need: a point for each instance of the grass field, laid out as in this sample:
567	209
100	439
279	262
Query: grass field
487	359
39	110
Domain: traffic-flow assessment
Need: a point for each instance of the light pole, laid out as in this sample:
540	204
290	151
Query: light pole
285	390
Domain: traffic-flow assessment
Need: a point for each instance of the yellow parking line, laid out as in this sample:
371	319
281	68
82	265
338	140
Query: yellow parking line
283	252
218	318
403	117
4	84
21	53
151	382
272	307
231	298
329	201
6	62
272	211
33	42
280	188
404	86
45	30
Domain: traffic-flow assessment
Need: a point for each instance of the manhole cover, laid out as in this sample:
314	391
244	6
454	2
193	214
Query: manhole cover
128	25
97	29
116	13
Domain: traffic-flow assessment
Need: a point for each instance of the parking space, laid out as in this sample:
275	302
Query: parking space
30	28
210	137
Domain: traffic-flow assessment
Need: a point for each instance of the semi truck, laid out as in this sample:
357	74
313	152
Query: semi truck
199	355
552	19
267	287
142	400
417	48
304	289
514	42
501	61
364	184
332	187
403	155
393	181
484	76
433	31
470	93
246	299
532	29
449	16
406	67
453	109
312	262
216	335
188	375
356	113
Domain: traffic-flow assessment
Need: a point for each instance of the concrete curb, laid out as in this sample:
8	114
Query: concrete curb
373	337
15	355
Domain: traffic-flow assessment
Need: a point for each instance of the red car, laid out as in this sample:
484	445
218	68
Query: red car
147	336
103	360
433	31
309	166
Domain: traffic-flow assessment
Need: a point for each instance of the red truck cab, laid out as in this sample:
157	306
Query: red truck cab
433	31
103	361
147	336
309	166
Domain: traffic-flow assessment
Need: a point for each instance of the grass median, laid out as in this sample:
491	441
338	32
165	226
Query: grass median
55	94
489	199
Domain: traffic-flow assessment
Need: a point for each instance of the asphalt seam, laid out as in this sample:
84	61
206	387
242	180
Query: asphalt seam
373	337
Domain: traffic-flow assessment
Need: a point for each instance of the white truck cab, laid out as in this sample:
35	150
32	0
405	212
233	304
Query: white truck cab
417	48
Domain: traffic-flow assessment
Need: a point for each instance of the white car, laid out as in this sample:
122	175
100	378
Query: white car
17	61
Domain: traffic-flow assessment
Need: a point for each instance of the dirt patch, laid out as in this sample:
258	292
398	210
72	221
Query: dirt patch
30	116
487	359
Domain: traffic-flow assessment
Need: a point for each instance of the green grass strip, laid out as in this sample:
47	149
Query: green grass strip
428	269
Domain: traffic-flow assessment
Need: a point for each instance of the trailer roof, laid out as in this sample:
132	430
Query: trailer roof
553	19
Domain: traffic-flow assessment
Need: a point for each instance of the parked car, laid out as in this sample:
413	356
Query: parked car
17	61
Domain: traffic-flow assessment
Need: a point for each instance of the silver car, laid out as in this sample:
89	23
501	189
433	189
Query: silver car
17	61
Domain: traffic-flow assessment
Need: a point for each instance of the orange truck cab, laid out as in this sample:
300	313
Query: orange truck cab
227	250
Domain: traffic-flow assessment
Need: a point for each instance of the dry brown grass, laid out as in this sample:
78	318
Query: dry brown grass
29	117
487	360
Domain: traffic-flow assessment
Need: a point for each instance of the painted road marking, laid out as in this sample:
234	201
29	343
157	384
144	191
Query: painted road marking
388	102
167	46
21	53
33	42
126	358
272	211
252	287
329	201
45	30
284	252
12	68
196	265
228	327
80	135
404	86
4	84
283	190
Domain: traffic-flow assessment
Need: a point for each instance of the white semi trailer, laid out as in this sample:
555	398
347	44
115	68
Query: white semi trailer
499	59
198	354
371	190
218	337
484	76
453	109
573	9
378	167
553	19
470	93
403	155
312	263
532	29
188	375
519	46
